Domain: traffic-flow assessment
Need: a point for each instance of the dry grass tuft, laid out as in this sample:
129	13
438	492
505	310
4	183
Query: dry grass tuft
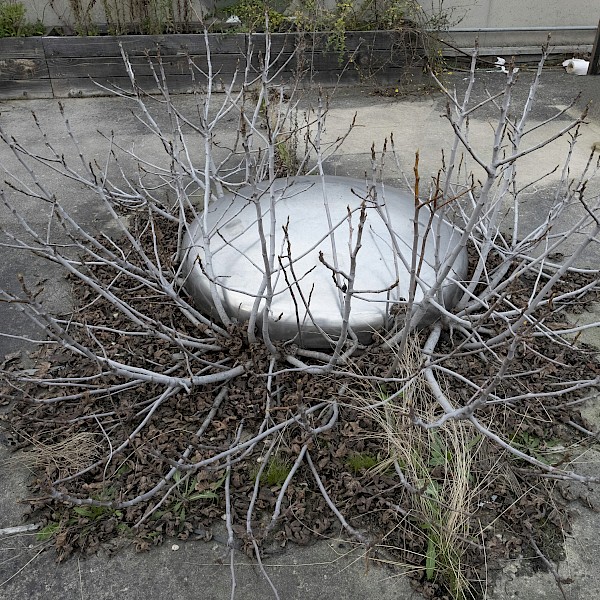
434	463
67	456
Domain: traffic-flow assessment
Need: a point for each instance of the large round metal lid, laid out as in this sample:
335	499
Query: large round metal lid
310	229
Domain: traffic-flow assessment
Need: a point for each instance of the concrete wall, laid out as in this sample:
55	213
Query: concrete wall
515	13
545	14
59	13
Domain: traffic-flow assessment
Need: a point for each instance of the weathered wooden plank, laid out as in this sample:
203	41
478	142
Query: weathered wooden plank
364	60
327	41
402	78
331	78
382	40
138	45
280	42
368	52
15	89
224	64
234	43
61	68
288	43
23	68
82	87
24	47
376	60
71	62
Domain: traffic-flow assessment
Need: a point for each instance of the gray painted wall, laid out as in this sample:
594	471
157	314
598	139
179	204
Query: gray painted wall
524	13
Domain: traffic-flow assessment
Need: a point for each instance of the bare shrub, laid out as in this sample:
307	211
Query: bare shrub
195	402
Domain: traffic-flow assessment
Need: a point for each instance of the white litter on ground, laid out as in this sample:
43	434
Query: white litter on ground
576	66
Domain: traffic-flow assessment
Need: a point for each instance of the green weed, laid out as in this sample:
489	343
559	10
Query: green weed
95	513
150	17
48	532
276	471
13	22
188	492
253	14
538	448
286	157
361	461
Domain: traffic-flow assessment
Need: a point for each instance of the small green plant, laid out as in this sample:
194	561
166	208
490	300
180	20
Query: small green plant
286	157
157	17
13	22
439	455
361	461
276	471
540	449
151	17
123	470
253	15
48	532
440	507
437	464
84	518
94	513
188	492
97	513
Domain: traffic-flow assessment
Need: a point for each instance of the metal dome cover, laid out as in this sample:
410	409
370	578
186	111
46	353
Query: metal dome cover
321	217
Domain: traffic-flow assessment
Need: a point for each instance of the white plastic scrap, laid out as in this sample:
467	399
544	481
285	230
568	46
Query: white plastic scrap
576	66
233	20
501	64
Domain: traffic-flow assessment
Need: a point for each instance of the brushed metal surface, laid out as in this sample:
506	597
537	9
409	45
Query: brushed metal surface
306	301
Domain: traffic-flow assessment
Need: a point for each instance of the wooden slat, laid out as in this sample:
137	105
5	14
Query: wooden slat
63	68
370	51
352	76
23	68
22	59
364	61
25	89
138	45
324	41
25	47
381	40
71	63
389	78
81	87
280	42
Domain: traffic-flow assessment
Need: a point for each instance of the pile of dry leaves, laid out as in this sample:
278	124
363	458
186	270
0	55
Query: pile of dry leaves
504	509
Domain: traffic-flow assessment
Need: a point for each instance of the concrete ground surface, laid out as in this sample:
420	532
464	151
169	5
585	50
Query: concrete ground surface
331	568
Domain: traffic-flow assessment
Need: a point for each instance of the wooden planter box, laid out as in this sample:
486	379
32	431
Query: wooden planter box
63	67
